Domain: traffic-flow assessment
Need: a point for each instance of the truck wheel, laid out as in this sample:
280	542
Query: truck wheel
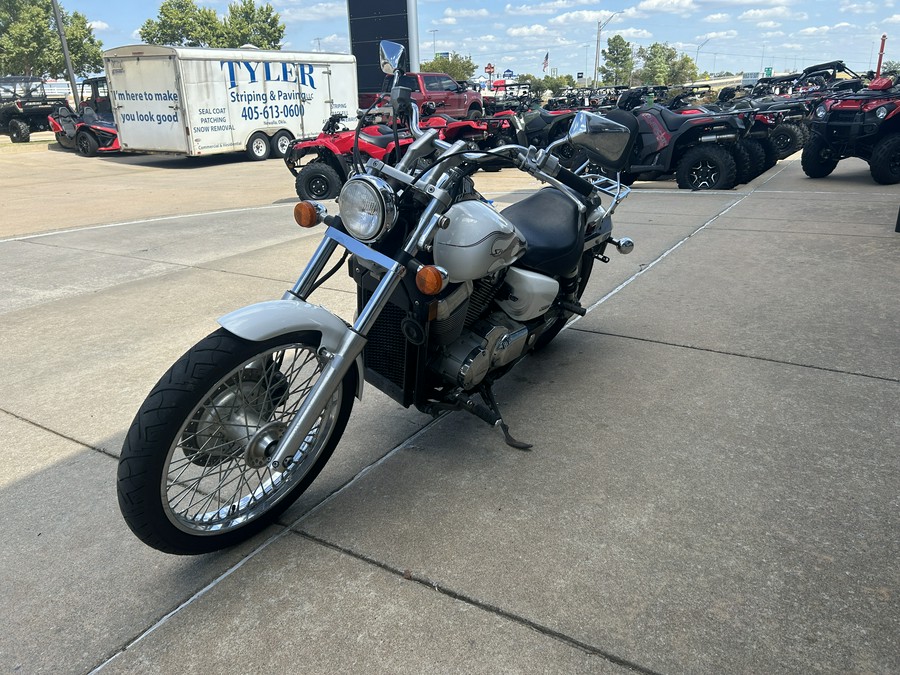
318	180
885	162
19	131
787	138
87	145
280	143
258	147
816	159
707	166
474	113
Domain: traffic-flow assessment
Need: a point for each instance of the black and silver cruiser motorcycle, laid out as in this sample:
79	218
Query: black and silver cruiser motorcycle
451	295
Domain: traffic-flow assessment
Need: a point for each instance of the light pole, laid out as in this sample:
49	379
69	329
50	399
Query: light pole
697	56
433	32
597	53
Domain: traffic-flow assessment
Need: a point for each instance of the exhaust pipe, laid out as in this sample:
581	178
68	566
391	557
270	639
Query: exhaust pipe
713	138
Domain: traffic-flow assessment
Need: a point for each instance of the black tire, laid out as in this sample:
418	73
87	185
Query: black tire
770	152
707	166
318	180
885	162
757	156
474	113
558	317
816	159
19	132
86	143
185	484
280	144
258	147
64	141
788	139
742	163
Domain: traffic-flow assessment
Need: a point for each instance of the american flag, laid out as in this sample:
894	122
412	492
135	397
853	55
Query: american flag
546	61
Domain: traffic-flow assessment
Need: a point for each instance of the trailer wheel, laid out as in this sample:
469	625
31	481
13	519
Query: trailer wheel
258	147
280	143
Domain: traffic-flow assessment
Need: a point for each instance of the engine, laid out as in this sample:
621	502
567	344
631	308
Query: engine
488	344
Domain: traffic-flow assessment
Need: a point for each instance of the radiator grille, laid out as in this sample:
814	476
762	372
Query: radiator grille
385	351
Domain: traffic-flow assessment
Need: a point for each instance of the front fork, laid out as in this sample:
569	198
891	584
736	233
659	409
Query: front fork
338	363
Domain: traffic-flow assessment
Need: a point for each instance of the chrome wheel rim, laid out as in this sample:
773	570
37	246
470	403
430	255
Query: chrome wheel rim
216	475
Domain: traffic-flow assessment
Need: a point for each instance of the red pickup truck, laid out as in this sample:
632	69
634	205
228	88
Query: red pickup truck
439	88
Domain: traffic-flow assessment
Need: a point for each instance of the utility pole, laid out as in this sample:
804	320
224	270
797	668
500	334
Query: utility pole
697	56
65	48
597	53
433	32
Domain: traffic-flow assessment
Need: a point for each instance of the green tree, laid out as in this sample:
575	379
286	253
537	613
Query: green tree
535	83
890	67
182	23
682	70
458	67
618	61
248	24
29	42
557	85
662	65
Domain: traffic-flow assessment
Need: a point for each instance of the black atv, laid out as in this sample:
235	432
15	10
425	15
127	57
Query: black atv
24	106
864	124
697	146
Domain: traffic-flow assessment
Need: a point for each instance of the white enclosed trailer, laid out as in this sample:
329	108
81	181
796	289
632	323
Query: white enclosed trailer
195	101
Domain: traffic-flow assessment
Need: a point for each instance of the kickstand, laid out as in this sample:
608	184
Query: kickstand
488	395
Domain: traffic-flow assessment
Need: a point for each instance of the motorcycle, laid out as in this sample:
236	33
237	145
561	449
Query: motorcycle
451	295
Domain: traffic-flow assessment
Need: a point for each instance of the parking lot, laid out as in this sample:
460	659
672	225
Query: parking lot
713	486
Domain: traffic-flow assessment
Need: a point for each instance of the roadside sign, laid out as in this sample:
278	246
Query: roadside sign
489	68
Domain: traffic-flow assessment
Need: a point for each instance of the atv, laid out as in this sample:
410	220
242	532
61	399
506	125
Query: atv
864	124
24	106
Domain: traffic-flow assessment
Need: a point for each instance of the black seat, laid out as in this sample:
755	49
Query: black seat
672	120
550	223
380	141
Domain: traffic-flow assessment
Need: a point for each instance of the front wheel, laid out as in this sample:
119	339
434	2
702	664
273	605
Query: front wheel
194	475
318	180
816	160
19	131
885	162
788	139
86	143
707	166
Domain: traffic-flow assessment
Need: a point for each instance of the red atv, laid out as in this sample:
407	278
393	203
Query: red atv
864	124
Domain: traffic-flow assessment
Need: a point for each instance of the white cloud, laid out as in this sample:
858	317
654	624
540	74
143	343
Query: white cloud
858	7
585	16
544	7
814	30
717	35
774	13
892	19
98	25
791	45
466	13
136	35
669	6
774	33
317	12
768	24
446	21
721	17
527	31
633	33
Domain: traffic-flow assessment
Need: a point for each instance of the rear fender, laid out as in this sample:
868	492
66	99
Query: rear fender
265	320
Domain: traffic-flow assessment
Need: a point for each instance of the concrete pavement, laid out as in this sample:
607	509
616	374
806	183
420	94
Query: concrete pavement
713	488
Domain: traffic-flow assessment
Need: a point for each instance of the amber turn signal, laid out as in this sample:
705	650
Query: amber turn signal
430	280
306	214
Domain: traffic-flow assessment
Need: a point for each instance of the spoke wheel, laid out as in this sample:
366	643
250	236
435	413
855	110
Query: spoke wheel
195	474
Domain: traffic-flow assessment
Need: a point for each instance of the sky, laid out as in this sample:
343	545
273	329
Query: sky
735	35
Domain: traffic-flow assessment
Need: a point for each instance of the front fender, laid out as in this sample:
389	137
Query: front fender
265	320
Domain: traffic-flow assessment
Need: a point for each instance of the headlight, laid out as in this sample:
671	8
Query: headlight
881	112
820	112
368	208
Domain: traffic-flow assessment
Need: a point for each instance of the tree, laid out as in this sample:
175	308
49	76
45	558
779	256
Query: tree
662	65
457	66
30	45
617	61
248	24
557	85
182	23
890	67
682	70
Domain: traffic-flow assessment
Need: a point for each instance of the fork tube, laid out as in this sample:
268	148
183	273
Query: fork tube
314	268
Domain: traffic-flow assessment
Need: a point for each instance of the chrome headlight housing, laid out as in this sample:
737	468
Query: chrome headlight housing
820	112
881	112
368	207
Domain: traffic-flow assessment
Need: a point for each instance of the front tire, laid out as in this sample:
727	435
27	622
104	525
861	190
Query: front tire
885	162
318	180
816	159
788	139
706	167
86	143
193	474
19	131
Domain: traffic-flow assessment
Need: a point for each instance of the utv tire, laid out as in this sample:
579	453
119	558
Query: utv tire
19	131
771	153
787	138
280	144
474	113
816	159
86	143
885	162
708	166
258	147
743	164
318	180
757	156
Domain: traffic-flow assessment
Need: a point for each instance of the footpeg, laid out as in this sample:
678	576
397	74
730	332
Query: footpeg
573	307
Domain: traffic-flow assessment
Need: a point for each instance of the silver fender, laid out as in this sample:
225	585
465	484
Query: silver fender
265	320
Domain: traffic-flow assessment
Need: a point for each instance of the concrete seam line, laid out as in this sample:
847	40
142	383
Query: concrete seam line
487	607
59	434
215	582
738	355
142	221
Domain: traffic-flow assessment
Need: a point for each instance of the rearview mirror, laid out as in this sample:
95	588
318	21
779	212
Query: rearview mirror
389	54
606	141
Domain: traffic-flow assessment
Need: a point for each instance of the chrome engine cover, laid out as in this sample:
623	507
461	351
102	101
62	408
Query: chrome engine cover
491	343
